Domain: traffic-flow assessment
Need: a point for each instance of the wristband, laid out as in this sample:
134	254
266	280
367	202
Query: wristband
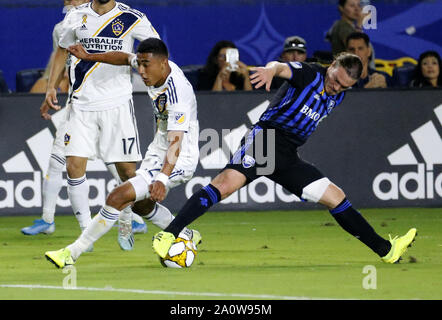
162	177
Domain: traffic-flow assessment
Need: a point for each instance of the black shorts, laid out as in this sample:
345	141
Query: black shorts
270	153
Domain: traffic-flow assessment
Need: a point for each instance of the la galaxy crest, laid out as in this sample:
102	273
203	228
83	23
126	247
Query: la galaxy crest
67	139
117	27
161	102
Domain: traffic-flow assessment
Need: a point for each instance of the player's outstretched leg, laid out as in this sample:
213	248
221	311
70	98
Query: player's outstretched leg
51	187
354	223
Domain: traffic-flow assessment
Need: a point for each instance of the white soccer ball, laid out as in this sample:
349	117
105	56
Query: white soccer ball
181	254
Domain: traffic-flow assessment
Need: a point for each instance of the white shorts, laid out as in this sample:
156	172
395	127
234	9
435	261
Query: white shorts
150	167
58	147
111	135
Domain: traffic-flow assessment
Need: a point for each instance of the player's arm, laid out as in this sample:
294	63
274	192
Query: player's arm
158	188
44	108
55	74
118	58
264	75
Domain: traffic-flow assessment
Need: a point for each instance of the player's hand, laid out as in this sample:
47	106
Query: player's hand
157	191
51	99
44	111
79	51
262	76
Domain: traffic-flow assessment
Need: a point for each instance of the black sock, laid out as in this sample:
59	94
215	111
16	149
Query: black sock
355	224
195	207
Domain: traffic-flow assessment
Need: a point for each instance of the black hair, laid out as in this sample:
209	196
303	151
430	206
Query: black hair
342	2
418	79
351	63
356	36
154	46
211	66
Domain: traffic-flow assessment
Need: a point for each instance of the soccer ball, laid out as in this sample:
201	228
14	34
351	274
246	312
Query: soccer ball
181	254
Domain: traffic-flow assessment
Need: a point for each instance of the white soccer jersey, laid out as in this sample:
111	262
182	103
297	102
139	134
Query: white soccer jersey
98	86
175	109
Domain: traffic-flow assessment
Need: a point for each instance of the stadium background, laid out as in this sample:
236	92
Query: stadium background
279	253
191	27
394	169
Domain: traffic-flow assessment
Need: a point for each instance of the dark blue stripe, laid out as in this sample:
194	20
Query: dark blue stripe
106	214
288	96
211	193
174	90
341	208
126	18
301	97
58	159
74	182
312	126
80	72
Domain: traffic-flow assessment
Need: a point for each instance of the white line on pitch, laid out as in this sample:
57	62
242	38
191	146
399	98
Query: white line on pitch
159	292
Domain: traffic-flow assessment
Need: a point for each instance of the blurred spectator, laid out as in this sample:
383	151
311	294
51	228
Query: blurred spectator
428	71
351	21
215	75
41	84
359	44
295	49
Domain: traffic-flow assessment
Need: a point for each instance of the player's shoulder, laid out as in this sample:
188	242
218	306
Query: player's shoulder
78	11
127	9
178	81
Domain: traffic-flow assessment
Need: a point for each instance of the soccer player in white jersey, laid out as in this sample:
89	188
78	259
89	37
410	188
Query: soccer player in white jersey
101	121
171	158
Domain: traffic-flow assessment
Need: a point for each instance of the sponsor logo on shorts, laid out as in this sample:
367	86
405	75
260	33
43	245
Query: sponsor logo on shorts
248	161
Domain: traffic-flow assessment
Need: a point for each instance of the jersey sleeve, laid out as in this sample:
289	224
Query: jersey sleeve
68	37
302	74
179	107
144	30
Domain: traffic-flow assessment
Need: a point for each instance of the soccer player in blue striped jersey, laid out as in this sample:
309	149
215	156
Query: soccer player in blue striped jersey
308	95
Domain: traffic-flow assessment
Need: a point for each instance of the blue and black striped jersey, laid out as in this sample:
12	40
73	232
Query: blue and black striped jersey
300	103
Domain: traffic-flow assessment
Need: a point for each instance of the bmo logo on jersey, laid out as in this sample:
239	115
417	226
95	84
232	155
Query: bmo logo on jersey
310	113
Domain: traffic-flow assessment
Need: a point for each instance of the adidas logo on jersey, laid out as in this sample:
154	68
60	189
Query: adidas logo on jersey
426	181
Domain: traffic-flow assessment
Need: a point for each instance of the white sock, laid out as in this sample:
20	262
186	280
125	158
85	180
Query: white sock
126	214
78	191
100	225
51	186
161	216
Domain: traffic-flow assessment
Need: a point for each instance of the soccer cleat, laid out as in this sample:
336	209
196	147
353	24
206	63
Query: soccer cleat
196	237
39	226
399	246
161	243
125	236
60	258
138	227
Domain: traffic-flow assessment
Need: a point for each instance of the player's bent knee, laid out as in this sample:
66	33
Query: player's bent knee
120	197
141	186
315	190
228	181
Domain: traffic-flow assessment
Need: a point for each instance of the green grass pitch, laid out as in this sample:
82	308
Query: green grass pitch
244	255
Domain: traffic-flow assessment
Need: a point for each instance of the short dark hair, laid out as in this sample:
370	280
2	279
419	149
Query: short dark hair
357	36
154	46
342	2
351	63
